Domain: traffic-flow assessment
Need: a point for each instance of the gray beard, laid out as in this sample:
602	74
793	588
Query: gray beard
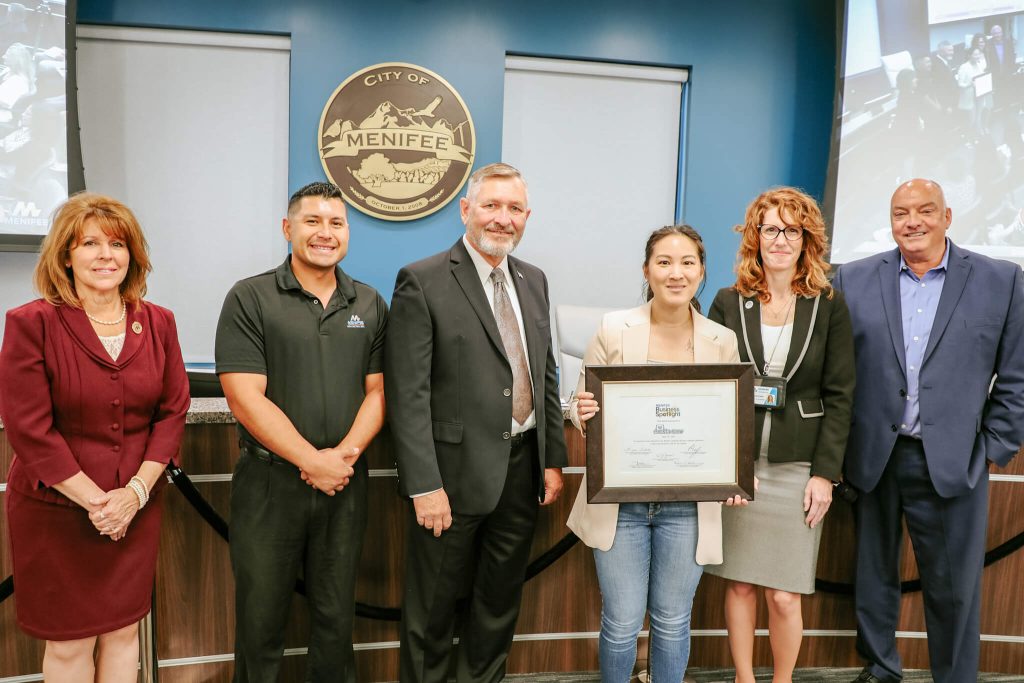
491	247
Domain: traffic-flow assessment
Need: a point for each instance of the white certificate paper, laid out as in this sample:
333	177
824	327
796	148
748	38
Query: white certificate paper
666	433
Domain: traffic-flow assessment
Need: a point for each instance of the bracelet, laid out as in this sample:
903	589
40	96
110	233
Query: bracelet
139	488
143	482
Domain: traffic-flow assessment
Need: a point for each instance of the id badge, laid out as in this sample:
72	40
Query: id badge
770	392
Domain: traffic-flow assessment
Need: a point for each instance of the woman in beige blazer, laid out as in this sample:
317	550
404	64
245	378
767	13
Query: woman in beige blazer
650	556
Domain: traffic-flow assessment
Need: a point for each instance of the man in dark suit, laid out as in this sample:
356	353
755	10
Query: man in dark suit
1000	56
932	323
477	425
943	80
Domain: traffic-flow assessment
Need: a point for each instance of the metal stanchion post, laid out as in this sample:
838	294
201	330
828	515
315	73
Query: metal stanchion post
147	650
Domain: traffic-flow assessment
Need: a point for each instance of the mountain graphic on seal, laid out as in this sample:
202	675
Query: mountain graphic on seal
388	116
392	128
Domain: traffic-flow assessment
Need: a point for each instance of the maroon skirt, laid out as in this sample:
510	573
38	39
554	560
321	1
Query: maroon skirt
70	582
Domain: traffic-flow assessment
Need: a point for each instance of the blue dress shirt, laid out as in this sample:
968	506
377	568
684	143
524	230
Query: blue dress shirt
919	299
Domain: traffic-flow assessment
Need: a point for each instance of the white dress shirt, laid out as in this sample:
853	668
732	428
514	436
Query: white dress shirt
483	269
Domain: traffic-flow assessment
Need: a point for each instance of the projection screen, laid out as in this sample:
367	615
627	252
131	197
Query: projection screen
40	155
930	88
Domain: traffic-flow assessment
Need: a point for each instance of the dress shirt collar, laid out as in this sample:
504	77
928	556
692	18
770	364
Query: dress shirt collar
483	268
942	264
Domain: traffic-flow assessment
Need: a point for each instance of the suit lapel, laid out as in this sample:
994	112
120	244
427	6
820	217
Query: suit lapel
138	319
77	324
705	341
81	331
636	336
889	281
957	270
801	326
751	312
465	274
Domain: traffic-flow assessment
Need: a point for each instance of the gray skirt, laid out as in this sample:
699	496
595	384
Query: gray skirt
767	542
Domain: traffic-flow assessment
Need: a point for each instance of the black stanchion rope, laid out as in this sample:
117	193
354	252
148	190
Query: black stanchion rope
546	559
206	511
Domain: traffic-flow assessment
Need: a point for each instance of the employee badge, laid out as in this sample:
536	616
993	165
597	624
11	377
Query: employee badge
770	392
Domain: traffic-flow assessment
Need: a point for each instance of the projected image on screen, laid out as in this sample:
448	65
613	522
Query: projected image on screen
33	109
935	100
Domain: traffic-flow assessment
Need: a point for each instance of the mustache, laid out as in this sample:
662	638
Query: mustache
493	227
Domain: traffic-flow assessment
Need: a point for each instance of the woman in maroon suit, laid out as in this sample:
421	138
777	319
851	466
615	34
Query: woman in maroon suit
93	396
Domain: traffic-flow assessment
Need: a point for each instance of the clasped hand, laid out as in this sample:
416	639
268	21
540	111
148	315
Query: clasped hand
113	511
331	469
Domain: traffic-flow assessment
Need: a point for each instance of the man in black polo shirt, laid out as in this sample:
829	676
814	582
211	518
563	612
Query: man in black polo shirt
299	353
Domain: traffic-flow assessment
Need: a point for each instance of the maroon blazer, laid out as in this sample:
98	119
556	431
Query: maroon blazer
67	407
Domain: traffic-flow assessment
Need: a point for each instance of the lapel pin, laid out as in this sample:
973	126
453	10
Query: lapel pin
748	305
520	276
137	327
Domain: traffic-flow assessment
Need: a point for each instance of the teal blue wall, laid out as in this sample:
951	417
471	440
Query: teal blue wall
761	93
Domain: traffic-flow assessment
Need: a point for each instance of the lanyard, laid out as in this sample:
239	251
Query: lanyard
778	339
803	351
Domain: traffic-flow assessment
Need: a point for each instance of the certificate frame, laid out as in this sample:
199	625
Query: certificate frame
695	409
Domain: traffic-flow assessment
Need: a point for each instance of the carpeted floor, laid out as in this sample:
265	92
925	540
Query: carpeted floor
725	676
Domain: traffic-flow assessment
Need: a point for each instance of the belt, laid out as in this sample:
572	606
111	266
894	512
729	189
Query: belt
520	439
261	453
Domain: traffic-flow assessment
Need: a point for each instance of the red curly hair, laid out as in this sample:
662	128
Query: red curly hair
797	208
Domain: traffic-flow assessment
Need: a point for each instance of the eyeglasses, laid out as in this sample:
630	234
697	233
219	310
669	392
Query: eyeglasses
770	232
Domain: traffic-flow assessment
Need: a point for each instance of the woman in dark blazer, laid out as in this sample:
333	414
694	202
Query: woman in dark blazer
93	396
796	330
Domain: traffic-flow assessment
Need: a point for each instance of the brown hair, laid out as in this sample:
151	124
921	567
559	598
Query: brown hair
810	278
54	280
684	231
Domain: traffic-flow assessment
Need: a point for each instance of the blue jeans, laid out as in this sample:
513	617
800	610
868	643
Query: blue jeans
650	566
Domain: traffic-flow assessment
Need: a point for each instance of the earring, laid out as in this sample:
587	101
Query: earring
67	265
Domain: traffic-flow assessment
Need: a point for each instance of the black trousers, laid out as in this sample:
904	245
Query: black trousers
948	536
482	557
281	526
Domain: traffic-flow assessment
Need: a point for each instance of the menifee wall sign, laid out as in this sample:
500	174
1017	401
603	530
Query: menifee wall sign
398	140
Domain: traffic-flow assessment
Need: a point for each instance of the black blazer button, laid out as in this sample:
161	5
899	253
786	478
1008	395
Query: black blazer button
894	428
903	393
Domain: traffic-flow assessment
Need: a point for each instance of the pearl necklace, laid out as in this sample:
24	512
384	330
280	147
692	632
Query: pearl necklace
124	314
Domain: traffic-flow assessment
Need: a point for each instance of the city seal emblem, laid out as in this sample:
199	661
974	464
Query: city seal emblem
398	140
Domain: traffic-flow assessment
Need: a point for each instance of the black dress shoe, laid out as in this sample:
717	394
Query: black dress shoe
867	677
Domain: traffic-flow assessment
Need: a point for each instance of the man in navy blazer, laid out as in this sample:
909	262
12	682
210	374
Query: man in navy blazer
933	324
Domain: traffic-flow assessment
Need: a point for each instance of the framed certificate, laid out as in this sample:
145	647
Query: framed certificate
670	433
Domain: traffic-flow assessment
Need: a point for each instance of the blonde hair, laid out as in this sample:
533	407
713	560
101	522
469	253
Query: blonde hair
54	279
811	277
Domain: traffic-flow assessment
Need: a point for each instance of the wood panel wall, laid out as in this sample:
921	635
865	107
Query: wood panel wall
194	594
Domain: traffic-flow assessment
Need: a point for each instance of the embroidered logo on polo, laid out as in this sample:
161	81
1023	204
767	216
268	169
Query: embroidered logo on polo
398	140
356	321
